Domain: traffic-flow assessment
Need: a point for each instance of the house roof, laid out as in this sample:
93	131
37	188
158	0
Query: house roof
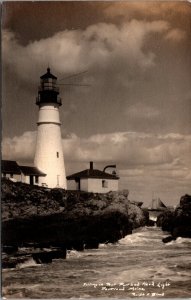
92	173
31	171
10	167
48	75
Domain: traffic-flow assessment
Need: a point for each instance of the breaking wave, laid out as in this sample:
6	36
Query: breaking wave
137	258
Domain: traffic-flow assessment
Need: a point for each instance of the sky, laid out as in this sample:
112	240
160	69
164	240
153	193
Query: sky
135	111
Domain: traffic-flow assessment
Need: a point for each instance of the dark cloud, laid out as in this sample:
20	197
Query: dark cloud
33	20
124	73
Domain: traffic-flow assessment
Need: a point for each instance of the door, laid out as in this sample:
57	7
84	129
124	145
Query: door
78	184
31	180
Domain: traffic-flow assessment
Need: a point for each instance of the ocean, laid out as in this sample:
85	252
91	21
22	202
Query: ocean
138	266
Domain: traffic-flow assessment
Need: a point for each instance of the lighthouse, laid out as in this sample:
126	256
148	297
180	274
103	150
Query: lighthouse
49	156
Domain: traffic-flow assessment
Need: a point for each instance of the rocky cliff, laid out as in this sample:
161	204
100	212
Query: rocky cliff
66	219
178	223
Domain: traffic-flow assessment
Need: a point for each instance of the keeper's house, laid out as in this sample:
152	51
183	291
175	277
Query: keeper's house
93	180
27	174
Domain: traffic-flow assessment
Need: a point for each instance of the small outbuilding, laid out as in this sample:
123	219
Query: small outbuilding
27	174
93	180
10	169
31	175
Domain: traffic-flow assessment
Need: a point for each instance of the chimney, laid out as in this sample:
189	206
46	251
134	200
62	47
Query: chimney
91	165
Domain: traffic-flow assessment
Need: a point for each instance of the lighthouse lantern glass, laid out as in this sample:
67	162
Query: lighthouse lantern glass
48	90
48	84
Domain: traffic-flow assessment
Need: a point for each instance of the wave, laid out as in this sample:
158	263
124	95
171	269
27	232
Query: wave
131	274
105	245
137	239
179	240
93	271
152	272
172	274
28	263
141	256
72	254
16	291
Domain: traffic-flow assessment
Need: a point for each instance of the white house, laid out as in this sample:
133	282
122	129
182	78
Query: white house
93	181
31	175
10	169
27	174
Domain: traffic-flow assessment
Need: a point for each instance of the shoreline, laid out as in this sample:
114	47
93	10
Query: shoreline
64	220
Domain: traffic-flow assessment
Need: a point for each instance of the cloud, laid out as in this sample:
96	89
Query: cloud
143	9
131	148
142	110
175	35
174	12
19	148
145	162
77	49
124	148
127	63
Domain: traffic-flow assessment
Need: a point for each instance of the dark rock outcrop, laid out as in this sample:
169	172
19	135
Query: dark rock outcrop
149	222
182	218
178	223
166	220
12	261
168	239
66	219
39	256
45	257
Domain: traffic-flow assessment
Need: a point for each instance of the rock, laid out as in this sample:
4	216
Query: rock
181	231
40	257
178	223
182	218
166	220
68	219
168	239
185	202
12	262
147	220
10	249
92	244
151	223
47	257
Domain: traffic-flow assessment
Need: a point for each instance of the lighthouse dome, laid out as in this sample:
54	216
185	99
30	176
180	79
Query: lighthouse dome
48	75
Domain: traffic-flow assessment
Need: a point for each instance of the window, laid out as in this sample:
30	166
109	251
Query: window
57	154
36	179
104	184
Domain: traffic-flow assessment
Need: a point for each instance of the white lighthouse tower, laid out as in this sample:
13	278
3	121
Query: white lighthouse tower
49	156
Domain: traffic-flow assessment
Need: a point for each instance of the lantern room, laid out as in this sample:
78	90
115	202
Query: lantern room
48	90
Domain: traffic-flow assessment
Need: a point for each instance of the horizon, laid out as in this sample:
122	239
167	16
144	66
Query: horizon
136	110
